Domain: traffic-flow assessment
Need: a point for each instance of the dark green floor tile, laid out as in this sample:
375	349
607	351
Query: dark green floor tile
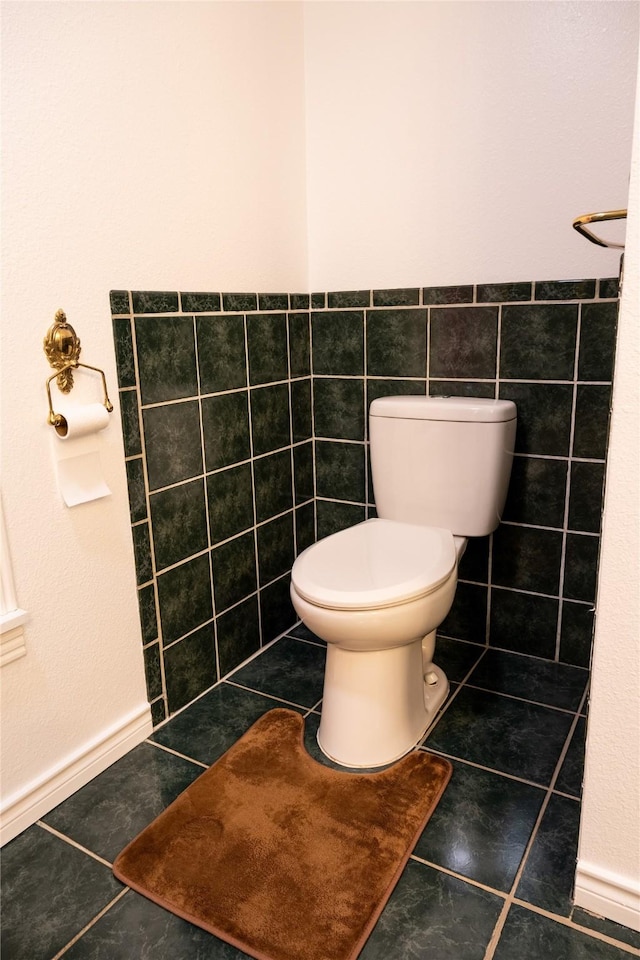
432	915
481	826
549	873
50	891
290	669
136	928
614	930
302	632
541	681
572	770
208	727
530	936
116	805
522	739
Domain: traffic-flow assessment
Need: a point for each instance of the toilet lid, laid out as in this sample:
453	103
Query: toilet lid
375	564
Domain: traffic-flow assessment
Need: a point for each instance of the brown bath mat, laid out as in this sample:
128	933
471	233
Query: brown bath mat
280	856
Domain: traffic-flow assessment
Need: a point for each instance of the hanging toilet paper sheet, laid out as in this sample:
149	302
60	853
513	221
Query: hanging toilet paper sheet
81	479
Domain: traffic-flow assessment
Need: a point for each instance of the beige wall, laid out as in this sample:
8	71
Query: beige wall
456	142
608	878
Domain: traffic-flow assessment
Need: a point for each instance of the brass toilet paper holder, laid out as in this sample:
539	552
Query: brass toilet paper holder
62	349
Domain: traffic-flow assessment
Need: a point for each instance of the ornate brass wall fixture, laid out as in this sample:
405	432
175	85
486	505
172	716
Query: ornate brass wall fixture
62	349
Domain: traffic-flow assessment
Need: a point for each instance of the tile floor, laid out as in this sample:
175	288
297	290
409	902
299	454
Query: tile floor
490	877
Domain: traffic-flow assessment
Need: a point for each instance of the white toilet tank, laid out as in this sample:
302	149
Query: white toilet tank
442	461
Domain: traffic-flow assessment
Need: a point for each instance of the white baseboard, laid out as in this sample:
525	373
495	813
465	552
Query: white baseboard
30	803
608	894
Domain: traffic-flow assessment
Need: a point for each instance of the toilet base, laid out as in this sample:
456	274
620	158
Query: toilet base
376	704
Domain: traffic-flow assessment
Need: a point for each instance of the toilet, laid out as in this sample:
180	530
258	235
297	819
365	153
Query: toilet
377	591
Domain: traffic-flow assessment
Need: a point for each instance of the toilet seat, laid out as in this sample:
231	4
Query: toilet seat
375	564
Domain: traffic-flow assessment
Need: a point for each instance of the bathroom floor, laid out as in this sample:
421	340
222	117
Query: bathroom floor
490	877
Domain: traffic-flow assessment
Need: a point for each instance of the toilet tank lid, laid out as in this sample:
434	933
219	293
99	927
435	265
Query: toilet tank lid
467	409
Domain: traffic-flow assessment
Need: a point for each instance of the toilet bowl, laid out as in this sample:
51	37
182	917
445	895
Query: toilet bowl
376	592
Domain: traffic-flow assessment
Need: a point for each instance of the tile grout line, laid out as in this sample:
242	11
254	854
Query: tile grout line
91	923
567	922
572	925
365	404
479	766
228	609
459	876
533	703
203	451
312	377
176	753
147	485
519	653
287	329
529	593
312	643
500	923
245	329
73	843
270	696
236	463
487	635
213	313
535	381
315	709
567	503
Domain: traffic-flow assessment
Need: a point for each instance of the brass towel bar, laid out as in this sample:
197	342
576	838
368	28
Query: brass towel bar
580	224
62	347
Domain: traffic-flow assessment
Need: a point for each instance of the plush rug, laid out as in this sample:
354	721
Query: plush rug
280	856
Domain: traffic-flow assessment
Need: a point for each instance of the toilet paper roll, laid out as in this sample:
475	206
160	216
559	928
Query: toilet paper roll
81	421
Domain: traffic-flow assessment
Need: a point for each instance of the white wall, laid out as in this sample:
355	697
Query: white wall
608	877
456	142
145	146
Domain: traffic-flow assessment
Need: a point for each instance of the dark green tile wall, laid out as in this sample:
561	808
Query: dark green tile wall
215	394
245	428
